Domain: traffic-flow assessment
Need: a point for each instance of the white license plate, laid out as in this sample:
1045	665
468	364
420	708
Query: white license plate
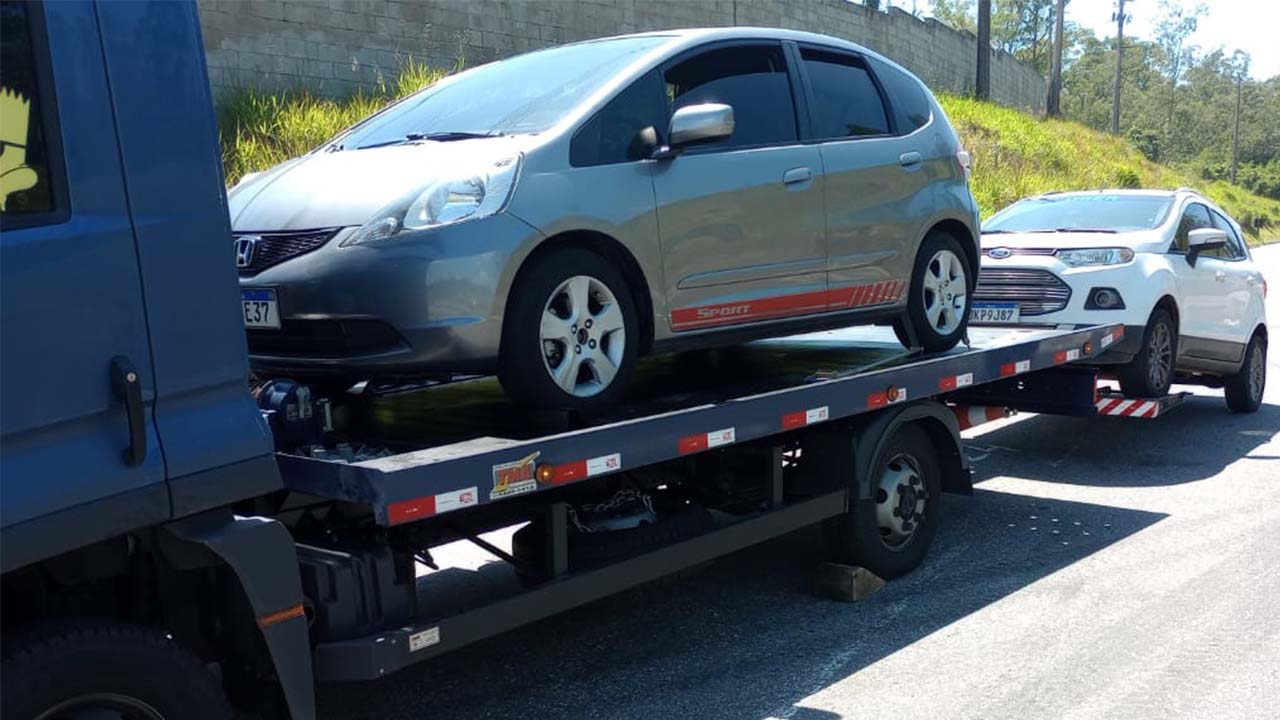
995	313
260	308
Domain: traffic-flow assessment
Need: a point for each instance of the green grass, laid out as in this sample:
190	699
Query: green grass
259	129
1016	155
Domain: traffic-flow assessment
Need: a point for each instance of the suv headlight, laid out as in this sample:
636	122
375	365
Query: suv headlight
477	192
1085	257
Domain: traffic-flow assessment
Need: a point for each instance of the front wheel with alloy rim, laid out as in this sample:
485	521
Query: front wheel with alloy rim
890	532
570	333
1244	389
938	303
1150	373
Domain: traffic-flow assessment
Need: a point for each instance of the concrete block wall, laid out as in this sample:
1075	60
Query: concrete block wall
338	46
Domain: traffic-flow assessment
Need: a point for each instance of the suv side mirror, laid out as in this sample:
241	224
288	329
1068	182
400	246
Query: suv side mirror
1202	239
697	125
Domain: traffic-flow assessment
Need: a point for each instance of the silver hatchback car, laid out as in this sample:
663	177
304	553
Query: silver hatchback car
555	215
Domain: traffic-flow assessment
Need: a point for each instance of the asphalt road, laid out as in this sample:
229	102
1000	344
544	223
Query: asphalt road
1104	568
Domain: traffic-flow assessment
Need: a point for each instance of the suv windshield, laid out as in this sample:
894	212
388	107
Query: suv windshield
525	94
1063	213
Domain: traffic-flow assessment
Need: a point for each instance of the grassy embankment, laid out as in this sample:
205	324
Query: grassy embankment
1014	154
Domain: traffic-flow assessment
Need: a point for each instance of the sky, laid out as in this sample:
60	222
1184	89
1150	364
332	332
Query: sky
1249	25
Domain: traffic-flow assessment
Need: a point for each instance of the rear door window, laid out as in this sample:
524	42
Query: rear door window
29	173
750	78
846	101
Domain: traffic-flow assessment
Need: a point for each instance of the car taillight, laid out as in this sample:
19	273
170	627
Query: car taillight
963	162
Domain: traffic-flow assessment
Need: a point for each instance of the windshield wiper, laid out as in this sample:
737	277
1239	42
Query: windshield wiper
997	232
435	136
1074	230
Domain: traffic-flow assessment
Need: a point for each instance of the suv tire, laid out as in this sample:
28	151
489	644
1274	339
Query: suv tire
1244	389
1150	373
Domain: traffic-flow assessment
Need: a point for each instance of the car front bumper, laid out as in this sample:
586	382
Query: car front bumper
425	304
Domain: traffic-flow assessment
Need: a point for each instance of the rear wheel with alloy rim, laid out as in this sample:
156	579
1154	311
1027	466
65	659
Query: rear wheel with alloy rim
938	303
570	334
890	532
1244	389
1150	372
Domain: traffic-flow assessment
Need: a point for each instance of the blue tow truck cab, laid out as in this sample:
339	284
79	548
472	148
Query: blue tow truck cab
178	541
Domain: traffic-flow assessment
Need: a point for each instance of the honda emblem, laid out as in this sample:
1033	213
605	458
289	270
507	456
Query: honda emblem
245	249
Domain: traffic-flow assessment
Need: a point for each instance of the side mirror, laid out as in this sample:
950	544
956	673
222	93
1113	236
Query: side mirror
1203	239
696	125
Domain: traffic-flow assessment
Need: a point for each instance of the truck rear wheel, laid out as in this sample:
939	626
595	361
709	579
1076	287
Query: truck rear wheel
108	670
890	532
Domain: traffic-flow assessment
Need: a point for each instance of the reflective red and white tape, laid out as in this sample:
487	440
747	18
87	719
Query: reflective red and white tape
1128	408
970	416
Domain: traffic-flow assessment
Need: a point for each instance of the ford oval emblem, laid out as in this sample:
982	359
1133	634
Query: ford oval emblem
999	253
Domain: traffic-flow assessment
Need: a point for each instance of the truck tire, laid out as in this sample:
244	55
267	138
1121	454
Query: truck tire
890	533
557	355
1150	373
108	669
1244	389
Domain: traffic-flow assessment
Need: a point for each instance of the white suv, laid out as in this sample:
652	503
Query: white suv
1170	265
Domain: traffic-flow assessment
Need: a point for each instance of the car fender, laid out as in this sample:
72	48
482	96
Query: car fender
1152	281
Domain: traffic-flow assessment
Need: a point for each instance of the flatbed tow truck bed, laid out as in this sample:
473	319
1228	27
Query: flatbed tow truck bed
463	454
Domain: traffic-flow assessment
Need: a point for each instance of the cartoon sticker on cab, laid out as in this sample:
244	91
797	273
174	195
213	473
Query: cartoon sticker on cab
15	176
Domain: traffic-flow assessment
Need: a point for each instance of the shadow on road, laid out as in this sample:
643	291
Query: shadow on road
1194	442
745	638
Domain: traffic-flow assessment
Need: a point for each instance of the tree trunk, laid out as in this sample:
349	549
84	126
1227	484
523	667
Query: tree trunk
1115	98
1055	63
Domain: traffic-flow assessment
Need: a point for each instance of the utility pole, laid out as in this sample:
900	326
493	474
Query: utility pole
1115	98
1055	63
983	79
1242	69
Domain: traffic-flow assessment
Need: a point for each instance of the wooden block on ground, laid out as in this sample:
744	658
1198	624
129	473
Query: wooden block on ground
845	582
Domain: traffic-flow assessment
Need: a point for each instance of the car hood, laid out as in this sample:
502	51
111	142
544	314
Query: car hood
1141	241
338	189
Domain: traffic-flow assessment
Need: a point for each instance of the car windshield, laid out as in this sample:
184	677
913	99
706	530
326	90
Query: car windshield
525	94
1081	213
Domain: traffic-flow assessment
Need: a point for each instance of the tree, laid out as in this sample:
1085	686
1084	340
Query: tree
958	14
1055	64
1175	25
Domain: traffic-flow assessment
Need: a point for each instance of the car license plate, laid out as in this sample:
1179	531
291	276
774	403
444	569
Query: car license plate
260	308
995	313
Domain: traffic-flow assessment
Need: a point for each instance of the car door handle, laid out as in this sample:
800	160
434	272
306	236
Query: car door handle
128	389
1220	276
797	175
910	159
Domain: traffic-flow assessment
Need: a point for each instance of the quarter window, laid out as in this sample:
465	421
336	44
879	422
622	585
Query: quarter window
908	97
846	100
1196	216
612	135
750	78
26	193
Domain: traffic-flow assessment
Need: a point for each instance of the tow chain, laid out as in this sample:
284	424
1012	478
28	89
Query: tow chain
617	500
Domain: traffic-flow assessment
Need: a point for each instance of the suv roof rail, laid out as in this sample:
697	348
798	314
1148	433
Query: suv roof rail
1186	188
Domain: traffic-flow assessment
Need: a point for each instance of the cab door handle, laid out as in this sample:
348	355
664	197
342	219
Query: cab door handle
128	389
795	176
910	159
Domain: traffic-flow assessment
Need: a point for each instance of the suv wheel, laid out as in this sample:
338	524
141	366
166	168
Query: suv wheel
1150	373
570	333
1244	389
938	304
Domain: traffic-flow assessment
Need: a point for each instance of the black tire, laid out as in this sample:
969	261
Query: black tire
927	335
1150	373
111	666
857	537
1244	389
522	368
590	550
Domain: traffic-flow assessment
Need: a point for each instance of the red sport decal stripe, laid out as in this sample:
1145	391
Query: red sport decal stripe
805	303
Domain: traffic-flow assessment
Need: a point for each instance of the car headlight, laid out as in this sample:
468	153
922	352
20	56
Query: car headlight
478	192
1085	257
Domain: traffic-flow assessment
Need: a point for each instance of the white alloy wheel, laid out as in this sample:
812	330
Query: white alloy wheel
583	336
945	290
